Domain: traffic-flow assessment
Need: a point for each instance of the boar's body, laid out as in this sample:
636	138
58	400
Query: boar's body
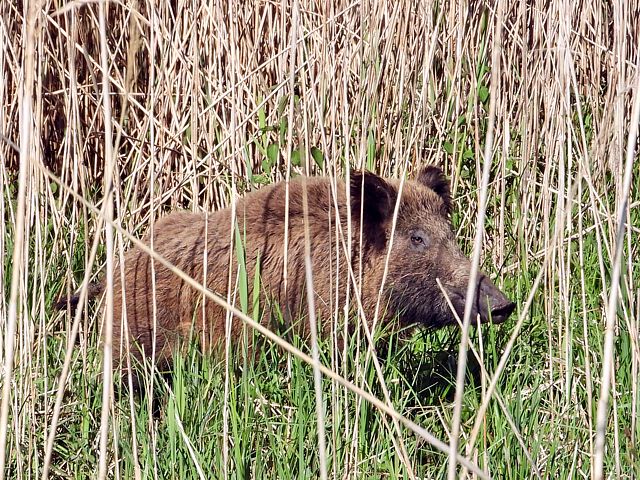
201	245
162	308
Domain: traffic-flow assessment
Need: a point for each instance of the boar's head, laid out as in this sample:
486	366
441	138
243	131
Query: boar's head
424	249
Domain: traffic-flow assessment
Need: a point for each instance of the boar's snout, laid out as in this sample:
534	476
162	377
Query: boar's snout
490	303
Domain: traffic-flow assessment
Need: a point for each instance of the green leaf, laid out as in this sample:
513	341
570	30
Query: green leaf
509	164
282	129
318	157
296	158
272	154
448	147
483	94
256	291
259	179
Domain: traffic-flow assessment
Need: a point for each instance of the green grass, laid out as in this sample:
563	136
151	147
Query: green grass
272	425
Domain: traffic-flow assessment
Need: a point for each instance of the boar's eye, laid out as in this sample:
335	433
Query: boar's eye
419	239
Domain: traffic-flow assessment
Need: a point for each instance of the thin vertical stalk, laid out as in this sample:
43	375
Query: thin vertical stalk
18	260
107	370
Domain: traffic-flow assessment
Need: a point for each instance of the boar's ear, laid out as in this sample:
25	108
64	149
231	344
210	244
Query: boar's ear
377	198
433	178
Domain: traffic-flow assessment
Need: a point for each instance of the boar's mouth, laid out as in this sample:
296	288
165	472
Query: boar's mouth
490	303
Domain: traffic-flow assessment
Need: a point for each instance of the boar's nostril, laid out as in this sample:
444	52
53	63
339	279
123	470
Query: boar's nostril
499	313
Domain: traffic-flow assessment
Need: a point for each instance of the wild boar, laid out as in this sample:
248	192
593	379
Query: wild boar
423	249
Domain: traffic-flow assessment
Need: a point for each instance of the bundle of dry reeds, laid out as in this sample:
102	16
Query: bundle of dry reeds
533	106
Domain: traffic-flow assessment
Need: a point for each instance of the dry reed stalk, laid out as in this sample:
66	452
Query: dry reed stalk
21	234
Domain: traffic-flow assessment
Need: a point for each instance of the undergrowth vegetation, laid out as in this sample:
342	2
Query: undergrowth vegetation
184	105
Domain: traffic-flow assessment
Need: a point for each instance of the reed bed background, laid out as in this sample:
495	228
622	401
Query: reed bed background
184	104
